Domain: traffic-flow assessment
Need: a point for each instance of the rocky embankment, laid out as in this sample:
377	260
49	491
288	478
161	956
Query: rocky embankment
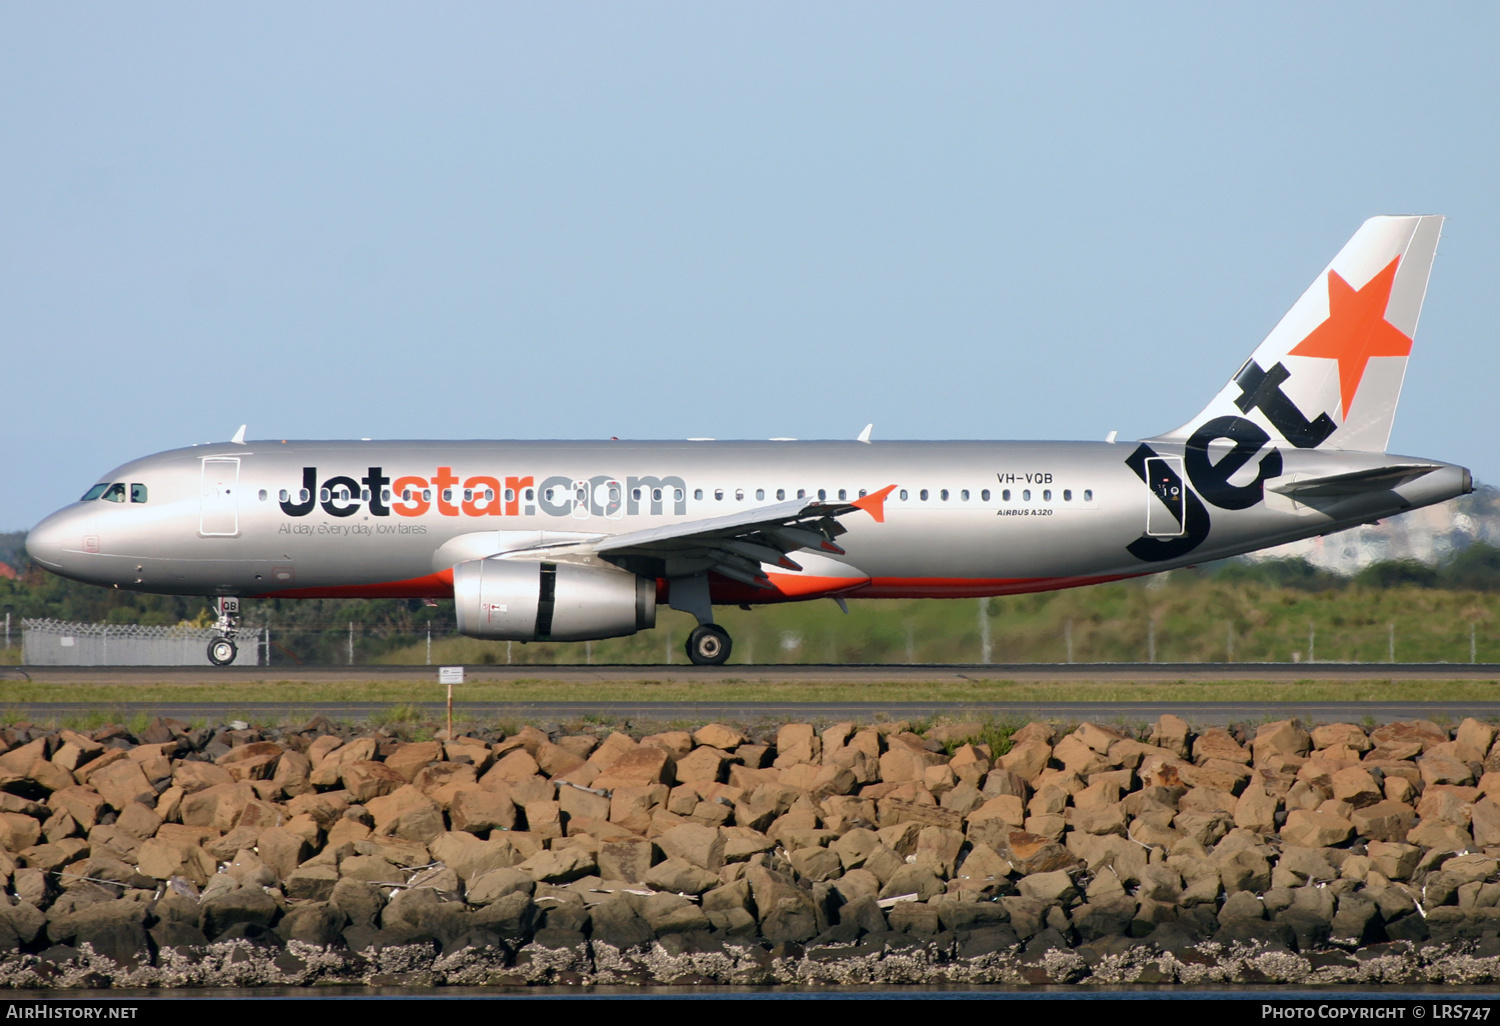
848	855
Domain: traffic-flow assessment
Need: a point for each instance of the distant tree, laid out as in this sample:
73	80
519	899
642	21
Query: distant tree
1476	568
1279	573
1394	573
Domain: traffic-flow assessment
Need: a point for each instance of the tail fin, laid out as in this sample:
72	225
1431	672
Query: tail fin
1329	374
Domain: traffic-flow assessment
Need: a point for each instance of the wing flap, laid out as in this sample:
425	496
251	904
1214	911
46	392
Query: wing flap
737	545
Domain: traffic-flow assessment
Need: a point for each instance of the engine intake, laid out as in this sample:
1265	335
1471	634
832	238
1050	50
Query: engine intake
513	601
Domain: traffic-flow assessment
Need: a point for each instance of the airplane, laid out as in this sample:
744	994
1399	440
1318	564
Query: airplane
581	540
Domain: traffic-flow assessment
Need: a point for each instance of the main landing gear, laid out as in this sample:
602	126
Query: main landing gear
222	649
709	645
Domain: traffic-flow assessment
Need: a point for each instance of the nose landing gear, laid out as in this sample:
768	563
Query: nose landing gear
709	645
222	649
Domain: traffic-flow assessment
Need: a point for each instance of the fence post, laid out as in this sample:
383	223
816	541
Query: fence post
1312	640
1068	638
1229	642
1473	648
429	644
351	643
1391	628
7	632
1151	639
984	631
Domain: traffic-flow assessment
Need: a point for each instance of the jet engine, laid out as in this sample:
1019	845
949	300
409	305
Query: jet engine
513	601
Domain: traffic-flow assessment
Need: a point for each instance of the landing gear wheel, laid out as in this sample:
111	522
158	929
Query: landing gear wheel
221	651
709	645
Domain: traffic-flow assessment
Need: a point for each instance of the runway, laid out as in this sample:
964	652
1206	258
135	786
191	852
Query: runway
639	710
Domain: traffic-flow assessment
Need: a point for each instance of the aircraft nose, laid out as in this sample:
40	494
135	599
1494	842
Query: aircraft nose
44	543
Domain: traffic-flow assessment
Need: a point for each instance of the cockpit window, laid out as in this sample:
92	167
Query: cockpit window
137	493
94	492
114	493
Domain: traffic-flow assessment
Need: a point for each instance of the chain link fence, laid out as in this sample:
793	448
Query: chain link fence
58	643
1163	639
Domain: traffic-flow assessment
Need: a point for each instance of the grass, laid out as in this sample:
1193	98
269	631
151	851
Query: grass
1196	618
407	694
406	712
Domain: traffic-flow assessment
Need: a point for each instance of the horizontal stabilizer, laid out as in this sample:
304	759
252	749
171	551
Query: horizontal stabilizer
1338	486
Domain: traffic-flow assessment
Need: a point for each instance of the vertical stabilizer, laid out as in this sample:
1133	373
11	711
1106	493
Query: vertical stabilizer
1329	374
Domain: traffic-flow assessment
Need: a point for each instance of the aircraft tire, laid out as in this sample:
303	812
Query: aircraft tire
221	651
709	645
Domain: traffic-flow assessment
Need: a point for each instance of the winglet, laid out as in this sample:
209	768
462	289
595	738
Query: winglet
864	436
874	504
239	436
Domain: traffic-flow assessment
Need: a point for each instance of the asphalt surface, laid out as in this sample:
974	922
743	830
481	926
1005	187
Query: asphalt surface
1197	713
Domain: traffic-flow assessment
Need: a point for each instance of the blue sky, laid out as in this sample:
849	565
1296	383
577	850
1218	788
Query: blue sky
741	221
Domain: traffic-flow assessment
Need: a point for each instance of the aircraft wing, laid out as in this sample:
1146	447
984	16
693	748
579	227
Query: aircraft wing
734	545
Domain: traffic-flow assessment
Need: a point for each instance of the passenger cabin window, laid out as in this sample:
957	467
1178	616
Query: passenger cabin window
697	493
903	495
1005	495
984	496
843	494
134	499
861	493
801	493
1026	495
760	494
1067	495
1047	495
284	496
94	492
943	495
964	495
719	494
739	495
822	494
780	494
114	493
1088	495
922	495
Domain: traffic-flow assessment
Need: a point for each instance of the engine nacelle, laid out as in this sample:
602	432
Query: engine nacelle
512	601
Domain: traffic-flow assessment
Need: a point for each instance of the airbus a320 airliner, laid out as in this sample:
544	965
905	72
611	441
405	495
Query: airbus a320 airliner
573	541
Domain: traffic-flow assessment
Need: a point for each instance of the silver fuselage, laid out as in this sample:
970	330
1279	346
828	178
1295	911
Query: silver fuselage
997	517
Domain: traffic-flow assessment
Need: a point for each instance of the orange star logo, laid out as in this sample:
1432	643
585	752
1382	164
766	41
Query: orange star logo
1356	329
